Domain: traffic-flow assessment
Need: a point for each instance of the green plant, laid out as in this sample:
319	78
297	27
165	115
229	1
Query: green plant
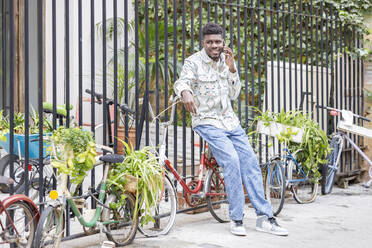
314	146
19	124
75	152
144	166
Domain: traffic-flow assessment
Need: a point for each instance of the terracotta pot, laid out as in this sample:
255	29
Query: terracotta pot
121	138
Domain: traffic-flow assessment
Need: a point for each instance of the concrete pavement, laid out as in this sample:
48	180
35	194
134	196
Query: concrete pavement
342	219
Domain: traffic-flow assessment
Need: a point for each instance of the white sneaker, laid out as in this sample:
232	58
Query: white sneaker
269	225
237	228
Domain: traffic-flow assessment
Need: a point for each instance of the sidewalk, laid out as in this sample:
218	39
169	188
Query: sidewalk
342	219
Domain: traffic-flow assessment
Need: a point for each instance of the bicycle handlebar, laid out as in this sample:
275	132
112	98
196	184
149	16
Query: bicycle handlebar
339	111
123	107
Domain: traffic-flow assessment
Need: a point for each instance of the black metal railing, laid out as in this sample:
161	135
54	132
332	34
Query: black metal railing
132	52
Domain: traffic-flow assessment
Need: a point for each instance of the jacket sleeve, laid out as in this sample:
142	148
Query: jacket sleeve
186	79
234	85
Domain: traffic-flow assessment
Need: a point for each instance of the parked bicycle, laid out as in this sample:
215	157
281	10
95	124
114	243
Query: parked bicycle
111	216
345	125
284	172
209	188
19	217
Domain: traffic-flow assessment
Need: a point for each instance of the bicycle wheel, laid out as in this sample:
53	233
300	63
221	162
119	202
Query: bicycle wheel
123	230
216	199
275	185
51	227
330	169
164	212
22	232
18	171
303	187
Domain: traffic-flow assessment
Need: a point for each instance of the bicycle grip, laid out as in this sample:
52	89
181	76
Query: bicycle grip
124	108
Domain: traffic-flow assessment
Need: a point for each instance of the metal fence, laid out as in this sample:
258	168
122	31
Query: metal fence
132	52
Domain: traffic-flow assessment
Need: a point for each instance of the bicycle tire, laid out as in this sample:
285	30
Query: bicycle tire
275	185
304	190
50	231
123	232
329	170
164	213
24	222
215	184
19	175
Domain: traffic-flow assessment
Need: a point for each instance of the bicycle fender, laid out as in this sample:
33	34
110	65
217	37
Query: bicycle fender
16	198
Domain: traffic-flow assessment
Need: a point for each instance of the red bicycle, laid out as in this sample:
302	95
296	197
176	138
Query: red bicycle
209	187
19	217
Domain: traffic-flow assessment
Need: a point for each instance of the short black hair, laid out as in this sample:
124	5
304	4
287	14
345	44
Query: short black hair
212	28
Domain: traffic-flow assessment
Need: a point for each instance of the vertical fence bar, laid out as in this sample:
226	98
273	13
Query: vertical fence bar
259	81
104	72
231	27
311	54
147	72
299	12
208	11
191	52
183	107
307	18
115	134
67	60
278	51
80	45
359	92
126	71
215	12
67	94
166	65
290	57
54	65
252	51
136	64
354	92
27	94
246	65
92	87
295	18
174	79
322	67
239	56
3	59
317	60
11	88
156	71
272	52
223	18
266	73
283	58
40	92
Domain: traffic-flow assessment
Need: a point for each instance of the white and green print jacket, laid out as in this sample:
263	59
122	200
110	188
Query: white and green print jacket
213	87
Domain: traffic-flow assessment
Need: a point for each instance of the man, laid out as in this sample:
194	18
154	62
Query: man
208	82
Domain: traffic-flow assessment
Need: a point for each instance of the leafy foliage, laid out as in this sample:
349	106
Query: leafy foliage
143	165
314	146
19	124
76	152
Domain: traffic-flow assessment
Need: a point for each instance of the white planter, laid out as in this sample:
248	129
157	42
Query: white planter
275	129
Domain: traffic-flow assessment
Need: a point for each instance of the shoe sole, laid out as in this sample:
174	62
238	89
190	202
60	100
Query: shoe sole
239	234
264	231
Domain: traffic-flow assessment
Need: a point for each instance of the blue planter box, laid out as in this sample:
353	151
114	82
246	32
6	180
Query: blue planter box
33	146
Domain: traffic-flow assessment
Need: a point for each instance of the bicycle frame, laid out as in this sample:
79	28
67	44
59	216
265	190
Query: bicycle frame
351	142
288	156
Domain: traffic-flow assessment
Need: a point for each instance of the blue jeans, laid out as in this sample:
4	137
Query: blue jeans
235	155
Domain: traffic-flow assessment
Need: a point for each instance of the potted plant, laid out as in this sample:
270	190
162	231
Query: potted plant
141	168
314	145
74	153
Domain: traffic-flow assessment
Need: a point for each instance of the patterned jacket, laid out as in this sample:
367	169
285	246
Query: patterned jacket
213	87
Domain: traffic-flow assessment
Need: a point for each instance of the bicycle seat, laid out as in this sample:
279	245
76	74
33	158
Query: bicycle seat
112	158
6	180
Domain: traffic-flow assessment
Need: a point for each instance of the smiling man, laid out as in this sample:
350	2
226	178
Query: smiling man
208	82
